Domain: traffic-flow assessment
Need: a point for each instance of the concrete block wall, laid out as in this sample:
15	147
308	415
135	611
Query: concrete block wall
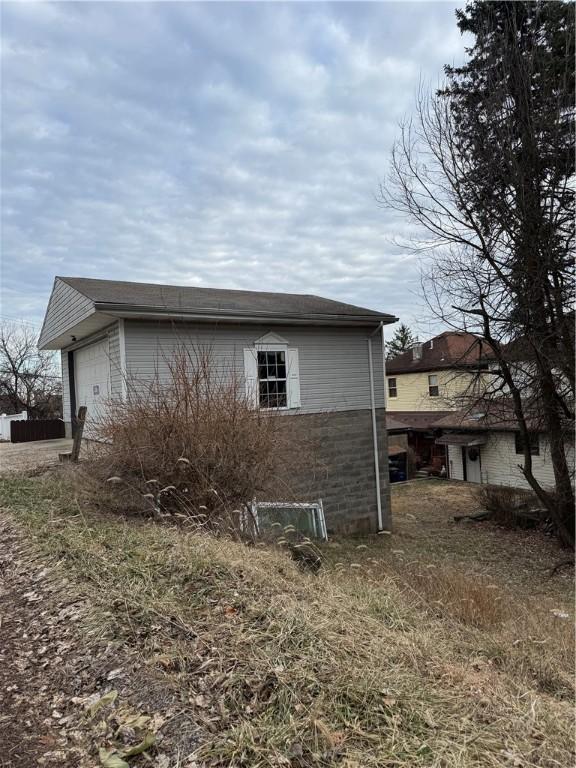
342	473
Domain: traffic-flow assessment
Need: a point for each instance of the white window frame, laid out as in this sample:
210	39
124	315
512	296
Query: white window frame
436	386
272	348
395	387
271	342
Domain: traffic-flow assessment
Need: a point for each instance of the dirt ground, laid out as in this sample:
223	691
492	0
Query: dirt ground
23	457
55	665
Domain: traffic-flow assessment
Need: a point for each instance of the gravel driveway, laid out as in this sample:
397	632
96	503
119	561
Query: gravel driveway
23	457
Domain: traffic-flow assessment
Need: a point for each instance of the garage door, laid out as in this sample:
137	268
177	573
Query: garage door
92	377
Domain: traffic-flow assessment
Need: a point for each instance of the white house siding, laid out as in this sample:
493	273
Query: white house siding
334	371
65	387
455	462
500	462
66	308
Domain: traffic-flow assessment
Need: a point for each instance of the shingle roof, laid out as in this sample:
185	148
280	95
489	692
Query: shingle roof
413	420
495	415
448	350
216	300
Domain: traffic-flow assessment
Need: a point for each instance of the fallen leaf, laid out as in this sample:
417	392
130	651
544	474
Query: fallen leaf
145	744
103	701
111	759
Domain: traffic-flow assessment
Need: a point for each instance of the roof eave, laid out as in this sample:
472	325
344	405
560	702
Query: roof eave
145	312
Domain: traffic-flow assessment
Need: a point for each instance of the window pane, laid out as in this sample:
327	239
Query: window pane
281	370
282	399
533	440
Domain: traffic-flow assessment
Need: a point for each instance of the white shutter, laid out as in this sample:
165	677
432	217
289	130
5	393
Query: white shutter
293	379
251	376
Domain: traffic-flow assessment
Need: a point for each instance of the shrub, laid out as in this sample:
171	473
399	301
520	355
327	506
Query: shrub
189	442
510	507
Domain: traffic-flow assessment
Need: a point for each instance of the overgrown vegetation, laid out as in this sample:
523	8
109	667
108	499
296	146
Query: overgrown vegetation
510	507
354	667
190	442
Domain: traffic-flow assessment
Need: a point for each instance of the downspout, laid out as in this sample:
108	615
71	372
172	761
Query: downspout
384	510
387	517
375	433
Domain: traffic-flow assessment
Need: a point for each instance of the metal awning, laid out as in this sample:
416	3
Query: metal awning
395	450
465	439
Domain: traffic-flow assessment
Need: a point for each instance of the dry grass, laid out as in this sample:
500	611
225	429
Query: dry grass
361	667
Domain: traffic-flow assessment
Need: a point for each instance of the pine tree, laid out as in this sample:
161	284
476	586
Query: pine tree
401	341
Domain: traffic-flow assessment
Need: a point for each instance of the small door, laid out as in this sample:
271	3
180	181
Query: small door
473	465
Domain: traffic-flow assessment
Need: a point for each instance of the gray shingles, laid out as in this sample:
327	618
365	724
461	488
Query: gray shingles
190	299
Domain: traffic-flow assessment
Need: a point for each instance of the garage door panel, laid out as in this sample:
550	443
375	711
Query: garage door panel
92	377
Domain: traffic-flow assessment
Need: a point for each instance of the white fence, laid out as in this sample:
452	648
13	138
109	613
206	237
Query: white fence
5	422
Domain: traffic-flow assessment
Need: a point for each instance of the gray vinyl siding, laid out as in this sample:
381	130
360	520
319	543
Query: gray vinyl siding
66	308
334	372
115	361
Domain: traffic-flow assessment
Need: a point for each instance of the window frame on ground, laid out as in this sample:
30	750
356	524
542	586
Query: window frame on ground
393	387
433	387
534	440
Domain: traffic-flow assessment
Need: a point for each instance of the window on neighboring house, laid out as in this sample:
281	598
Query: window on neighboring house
433	390
534	443
392	388
272	383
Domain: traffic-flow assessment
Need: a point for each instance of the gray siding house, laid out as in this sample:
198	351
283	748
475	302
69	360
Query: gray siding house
327	358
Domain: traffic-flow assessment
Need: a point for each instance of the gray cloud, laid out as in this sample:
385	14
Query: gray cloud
232	145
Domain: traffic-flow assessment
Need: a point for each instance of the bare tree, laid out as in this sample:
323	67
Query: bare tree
485	171
29	378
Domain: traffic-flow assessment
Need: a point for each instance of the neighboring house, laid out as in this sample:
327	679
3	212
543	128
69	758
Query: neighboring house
429	380
113	335
433	375
485	446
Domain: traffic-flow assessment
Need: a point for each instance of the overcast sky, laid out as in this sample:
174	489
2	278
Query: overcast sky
231	145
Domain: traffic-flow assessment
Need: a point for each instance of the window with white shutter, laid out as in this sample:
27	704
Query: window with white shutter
272	374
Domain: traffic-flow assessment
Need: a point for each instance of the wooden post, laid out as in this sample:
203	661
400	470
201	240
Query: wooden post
78	435
80	420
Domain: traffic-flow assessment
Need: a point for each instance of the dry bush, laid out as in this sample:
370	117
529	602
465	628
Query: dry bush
189	442
509	506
